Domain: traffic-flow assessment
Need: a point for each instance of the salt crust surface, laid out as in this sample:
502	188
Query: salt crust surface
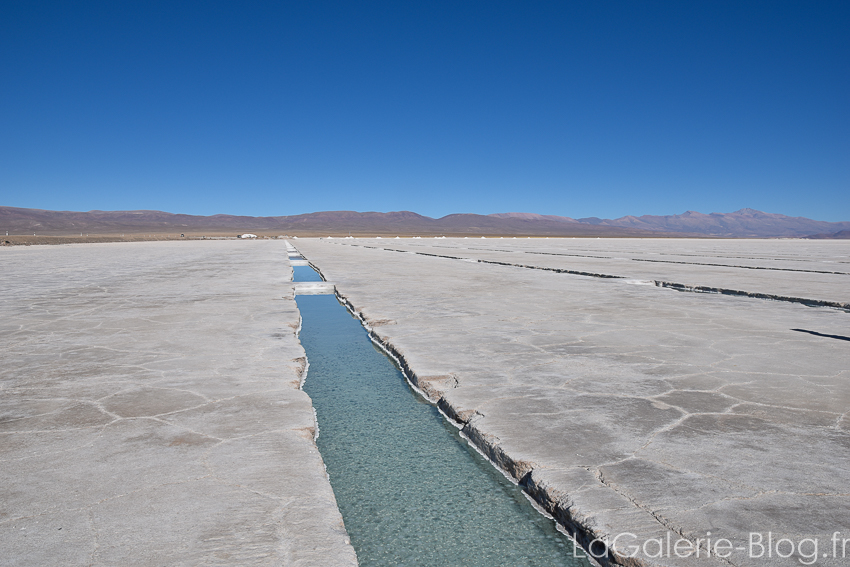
631	408
150	410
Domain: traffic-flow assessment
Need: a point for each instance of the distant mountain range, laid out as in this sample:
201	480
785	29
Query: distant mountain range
743	223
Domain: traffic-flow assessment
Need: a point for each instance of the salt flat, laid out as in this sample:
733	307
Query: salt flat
629	408
150	411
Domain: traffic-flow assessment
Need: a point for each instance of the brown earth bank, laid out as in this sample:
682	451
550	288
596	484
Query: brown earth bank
37	239
22	240
34	240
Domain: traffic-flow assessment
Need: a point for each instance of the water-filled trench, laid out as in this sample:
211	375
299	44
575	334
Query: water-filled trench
411	491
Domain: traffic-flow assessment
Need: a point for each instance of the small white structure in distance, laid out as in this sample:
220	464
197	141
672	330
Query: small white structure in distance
247	235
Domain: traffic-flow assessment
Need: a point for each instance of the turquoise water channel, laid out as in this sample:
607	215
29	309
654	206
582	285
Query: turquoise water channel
411	490
305	274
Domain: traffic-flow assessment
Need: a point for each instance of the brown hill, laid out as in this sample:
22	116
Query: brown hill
840	235
742	223
532	216
402	223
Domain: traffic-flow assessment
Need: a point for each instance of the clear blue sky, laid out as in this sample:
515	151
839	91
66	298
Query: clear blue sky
571	108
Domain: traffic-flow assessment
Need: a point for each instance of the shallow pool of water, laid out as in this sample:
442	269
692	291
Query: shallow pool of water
411	490
305	274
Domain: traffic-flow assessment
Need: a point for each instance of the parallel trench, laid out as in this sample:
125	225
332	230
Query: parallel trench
411	490
843	306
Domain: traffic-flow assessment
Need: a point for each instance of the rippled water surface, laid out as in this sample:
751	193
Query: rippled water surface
411	491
